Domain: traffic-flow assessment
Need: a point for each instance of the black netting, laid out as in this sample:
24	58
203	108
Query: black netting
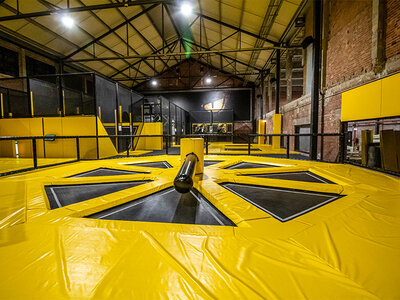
106	98
16	99
78	94
165	115
46	96
137	111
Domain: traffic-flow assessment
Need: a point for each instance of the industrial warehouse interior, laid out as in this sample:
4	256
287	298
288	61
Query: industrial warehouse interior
200	149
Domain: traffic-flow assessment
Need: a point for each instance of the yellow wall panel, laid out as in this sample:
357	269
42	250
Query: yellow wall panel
79	125
362	103
21	127
151	143
66	126
106	147
53	126
277	129
391	96
196	146
262	125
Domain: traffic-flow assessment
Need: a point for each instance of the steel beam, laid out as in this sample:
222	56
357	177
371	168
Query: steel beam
142	59
111	31
231	58
160	55
236	28
51	6
81	9
150	45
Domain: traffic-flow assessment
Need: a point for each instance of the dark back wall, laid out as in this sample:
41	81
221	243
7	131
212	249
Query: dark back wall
237	100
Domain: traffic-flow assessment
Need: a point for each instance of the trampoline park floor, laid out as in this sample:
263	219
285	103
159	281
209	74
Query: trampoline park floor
252	228
15	164
9	164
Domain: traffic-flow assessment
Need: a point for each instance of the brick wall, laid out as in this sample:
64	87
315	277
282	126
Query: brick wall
349	40
392	31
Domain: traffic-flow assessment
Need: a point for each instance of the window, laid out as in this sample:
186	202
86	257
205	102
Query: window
302	143
9	62
36	67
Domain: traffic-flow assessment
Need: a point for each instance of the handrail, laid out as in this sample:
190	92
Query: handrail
166	137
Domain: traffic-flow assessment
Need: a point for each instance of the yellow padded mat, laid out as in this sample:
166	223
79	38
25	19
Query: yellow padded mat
347	249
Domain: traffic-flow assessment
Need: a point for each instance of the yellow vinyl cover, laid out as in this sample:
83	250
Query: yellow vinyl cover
378	99
347	249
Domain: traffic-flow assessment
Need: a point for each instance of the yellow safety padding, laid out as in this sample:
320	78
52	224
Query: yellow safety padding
151	143
346	249
32	109
2	105
21	127
277	129
390	96
374	100
362	103
106	146
55	148
63	103
261	130
196	146
13	206
78	125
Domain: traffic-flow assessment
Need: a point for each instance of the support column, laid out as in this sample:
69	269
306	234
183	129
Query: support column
262	100
269	93
378	35
278	80
316	79
277	129
265	95
289	67
261	130
22	63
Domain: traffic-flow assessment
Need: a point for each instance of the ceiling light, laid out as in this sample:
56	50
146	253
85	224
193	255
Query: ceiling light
154	82
186	9
68	21
208	80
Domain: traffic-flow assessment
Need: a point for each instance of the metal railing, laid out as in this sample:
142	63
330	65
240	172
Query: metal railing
166	140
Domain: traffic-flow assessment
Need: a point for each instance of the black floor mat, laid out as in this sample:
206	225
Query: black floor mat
283	204
167	206
63	195
296	176
211	162
245	165
106	172
154	164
